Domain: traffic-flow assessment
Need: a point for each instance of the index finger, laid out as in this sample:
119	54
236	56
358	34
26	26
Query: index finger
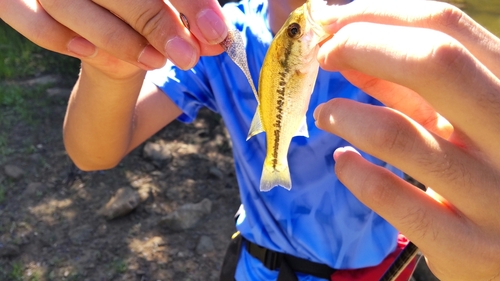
432	64
160	23
434	15
23	16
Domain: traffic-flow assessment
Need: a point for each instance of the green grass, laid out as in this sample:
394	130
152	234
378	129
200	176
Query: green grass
4	148
18	103
2	193
16	273
20	58
119	266
23	107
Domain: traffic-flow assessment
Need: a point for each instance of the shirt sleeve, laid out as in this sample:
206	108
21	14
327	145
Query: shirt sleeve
189	90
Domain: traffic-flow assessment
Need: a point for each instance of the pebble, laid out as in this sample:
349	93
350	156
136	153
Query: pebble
34	188
80	234
187	216
216	173
205	245
123	202
157	152
13	172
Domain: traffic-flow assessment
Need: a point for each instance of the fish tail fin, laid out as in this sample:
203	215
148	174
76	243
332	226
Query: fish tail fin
272	177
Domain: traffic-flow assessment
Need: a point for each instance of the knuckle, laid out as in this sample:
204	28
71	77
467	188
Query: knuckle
377	188
446	53
112	39
150	21
392	134
437	57
446	15
444	50
418	222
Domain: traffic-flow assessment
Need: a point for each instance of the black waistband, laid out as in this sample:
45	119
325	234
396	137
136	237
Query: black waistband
274	260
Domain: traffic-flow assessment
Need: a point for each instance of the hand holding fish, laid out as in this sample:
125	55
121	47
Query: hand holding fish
142	33
437	71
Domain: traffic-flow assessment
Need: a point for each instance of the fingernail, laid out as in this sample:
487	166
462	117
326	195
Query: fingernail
151	58
317	111
82	47
181	53
341	150
212	26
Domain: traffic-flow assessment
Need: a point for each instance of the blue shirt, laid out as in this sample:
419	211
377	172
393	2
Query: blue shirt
318	219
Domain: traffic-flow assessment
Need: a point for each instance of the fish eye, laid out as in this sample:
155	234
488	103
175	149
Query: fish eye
294	30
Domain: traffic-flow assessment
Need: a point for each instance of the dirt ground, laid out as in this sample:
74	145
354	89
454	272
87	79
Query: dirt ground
50	228
52	224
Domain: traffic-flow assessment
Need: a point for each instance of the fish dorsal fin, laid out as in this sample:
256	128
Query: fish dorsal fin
302	131
256	126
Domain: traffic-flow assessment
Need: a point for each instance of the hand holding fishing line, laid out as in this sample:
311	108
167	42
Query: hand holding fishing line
437	72
142	33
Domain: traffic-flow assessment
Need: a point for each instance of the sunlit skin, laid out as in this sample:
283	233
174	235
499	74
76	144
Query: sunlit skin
435	69
438	73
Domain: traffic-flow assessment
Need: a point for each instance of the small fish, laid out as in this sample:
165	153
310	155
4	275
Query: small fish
235	48
286	83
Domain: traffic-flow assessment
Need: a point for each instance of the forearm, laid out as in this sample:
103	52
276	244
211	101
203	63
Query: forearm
99	121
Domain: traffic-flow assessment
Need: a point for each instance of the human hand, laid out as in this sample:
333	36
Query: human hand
107	33
437	71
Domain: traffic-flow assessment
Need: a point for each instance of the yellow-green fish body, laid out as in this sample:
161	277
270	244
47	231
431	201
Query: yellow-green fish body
286	83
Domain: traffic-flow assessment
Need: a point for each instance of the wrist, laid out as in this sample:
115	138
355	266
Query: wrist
112	71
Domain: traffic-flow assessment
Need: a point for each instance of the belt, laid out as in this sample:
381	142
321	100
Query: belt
288	264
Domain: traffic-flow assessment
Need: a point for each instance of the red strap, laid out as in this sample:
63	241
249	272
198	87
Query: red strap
376	272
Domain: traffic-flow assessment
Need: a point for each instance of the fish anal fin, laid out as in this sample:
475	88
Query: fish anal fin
273	177
302	131
256	126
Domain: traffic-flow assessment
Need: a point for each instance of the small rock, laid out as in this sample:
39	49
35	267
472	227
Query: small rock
205	245
80	234
187	216
157	152
34	188
58	93
122	203
13	172
215	173
9	250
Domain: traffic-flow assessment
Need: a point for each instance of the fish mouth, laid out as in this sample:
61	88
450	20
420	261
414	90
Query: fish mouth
312	7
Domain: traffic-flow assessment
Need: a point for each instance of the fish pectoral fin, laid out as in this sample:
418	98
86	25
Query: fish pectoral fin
302	131
256	126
